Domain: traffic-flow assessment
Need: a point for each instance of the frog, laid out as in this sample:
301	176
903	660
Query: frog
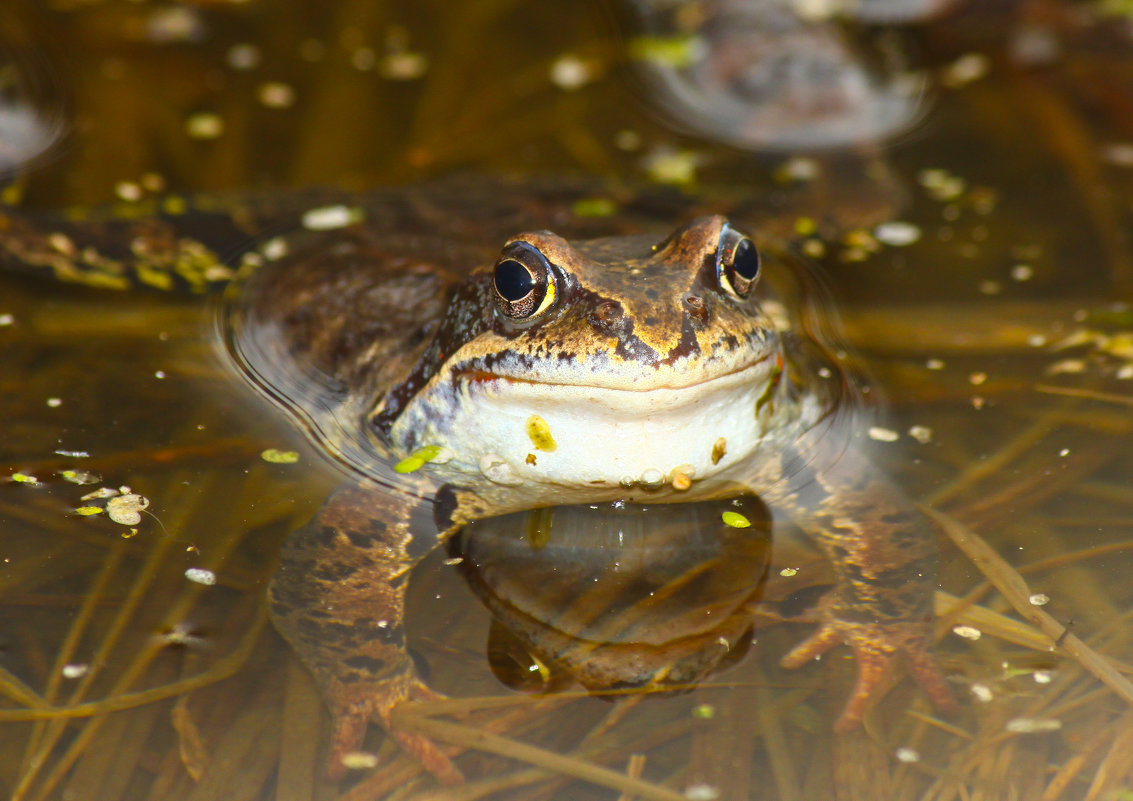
463	361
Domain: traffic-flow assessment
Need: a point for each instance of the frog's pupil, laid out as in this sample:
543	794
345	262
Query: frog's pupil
746	260
514	282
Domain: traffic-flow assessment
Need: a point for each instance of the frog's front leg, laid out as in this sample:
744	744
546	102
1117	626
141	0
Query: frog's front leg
338	598
883	553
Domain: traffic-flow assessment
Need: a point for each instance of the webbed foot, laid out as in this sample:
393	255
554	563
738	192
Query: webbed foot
354	708
875	646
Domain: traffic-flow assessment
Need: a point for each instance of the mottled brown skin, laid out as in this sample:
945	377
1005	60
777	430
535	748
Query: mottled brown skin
348	316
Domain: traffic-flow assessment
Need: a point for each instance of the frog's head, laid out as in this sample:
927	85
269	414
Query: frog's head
595	369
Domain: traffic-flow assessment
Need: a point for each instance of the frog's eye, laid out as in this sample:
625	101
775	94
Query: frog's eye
737	262
523	282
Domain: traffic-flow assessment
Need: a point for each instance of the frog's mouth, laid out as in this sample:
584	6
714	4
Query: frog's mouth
571	441
670	380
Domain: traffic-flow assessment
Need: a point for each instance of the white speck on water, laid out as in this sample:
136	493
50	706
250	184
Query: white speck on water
967	68
1119	154
75	671
800	168
907	755
201	576
403	66
701	792
276	94
982	692
967	632
1070	366
275	248
128	191
359	760
243	56
329	218
569	73
897	234
922	434
204	125
883	434
54	403
1039	599
934	364
1033	725
1022	272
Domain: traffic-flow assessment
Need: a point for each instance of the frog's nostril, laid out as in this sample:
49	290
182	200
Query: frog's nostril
606	314
694	307
609	310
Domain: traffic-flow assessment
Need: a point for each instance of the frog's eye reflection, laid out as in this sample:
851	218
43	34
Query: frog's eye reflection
523	282
738	263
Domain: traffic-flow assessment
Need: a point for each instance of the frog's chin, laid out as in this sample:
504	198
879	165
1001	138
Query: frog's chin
538	443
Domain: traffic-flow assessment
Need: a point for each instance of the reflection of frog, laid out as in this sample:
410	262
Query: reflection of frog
780	74
618	595
632	367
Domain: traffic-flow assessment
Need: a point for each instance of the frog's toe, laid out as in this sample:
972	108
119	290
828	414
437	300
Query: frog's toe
419	691
875	646
359	707
346	739
814	646
431	758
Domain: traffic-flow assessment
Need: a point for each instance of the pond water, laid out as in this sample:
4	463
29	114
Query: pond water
973	226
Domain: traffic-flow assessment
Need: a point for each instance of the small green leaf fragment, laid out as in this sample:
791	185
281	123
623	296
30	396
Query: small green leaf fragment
24	478
416	460
79	476
735	520
276	456
594	207
704	711
428	453
674	52
89	510
409	464
539	432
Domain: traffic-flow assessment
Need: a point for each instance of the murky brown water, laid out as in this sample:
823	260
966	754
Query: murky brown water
994	337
